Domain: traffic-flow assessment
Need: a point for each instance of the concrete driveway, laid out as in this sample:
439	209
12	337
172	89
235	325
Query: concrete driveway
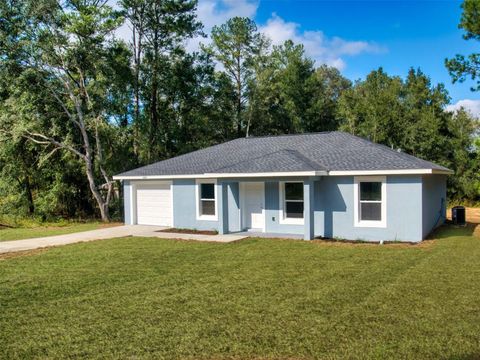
107	233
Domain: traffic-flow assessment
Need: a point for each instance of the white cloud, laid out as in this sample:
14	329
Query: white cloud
322	49
217	12
209	13
473	106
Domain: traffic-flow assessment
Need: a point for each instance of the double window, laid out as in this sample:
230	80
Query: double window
206	200
370	200
291	199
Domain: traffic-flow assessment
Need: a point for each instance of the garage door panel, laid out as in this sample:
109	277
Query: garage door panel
154	205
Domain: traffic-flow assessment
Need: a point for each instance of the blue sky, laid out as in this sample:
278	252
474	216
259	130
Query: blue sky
359	36
412	33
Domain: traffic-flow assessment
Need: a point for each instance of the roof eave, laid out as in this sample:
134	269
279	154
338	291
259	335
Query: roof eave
221	175
390	172
286	174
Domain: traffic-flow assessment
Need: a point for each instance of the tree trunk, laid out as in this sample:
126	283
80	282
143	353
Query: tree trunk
137	49
239	99
154	120
102	204
28	191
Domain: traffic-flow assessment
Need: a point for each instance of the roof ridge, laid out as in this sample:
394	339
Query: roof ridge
305	159
295	153
288	135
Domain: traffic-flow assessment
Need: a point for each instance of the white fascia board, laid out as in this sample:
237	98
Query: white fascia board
221	175
389	172
157	177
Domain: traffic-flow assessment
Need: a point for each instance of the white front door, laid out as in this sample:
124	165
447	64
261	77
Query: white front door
253	205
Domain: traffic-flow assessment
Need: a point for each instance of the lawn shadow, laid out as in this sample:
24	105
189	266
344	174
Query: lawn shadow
449	230
474	356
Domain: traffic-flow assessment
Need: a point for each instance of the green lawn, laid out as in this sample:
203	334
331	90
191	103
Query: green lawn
7	234
254	299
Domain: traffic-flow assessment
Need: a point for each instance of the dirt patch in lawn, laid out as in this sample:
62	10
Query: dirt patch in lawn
16	254
355	243
189	231
66	226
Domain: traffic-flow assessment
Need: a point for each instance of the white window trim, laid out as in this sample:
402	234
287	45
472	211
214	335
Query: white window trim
282	219
198	182
356	197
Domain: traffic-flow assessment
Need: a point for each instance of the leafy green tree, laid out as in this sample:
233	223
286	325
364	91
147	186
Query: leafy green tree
281	93
372	108
460	67
424	128
327	85
68	66
236	45
159	29
464	156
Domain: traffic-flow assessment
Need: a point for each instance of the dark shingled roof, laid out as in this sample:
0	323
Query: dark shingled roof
326	151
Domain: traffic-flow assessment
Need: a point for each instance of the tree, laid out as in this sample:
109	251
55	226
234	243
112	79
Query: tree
372	108
424	129
464	156
327	85
461	68
236	45
68	65
280	93
159	29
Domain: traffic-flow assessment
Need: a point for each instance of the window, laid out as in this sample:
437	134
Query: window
206	200
291	195
370	199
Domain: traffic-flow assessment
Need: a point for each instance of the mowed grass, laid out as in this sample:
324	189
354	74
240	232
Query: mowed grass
253	299
7	234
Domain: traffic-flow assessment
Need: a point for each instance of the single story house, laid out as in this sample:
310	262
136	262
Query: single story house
329	184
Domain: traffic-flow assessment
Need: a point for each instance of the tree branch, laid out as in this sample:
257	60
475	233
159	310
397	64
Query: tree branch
45	140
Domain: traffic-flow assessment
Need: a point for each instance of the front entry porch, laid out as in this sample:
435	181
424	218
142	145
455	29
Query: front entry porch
282	207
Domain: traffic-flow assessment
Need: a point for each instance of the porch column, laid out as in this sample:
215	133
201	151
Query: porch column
222	207
308	206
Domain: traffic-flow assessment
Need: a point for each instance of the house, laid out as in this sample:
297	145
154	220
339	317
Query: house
329	184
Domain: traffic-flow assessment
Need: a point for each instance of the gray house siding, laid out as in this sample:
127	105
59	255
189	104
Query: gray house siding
434	195
413	207
233	206
127	203
334	210
272	206
185	207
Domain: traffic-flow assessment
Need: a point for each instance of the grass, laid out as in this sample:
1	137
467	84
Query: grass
14	233
253	299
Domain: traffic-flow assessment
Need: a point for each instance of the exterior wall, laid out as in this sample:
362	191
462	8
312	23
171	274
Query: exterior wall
272	212
127	203
233	206
185	207
413	207
434	196
334	210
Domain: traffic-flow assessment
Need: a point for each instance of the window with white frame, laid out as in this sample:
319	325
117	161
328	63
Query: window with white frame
370	199
291	195
206	200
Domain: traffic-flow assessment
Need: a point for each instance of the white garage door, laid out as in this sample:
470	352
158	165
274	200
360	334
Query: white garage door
154	205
